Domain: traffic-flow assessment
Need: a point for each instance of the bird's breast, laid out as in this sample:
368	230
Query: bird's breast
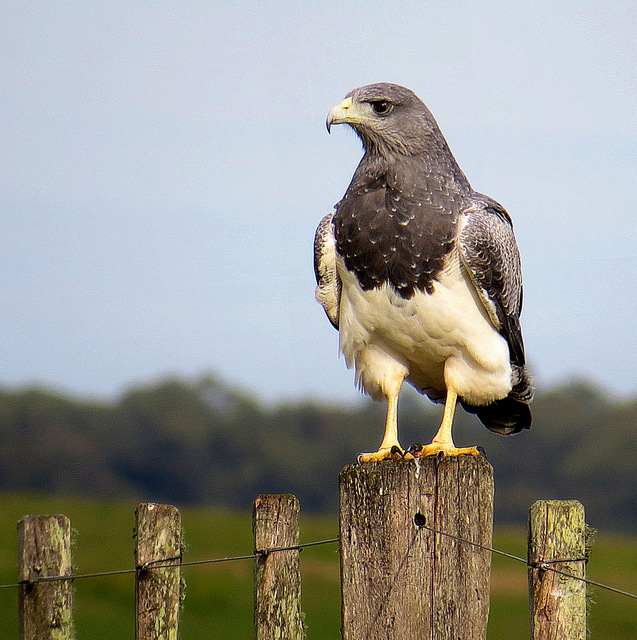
388	237
424	331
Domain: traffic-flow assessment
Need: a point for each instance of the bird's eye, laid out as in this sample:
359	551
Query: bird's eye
381	107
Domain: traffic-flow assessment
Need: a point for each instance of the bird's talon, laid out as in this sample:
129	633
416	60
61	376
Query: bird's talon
396	451
393	453
414	449
482	451
441	450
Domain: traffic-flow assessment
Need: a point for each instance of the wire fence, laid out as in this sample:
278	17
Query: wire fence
177	561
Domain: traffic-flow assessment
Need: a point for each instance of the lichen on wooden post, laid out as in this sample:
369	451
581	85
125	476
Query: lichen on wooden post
158	580
277	578
399	579
557	540
44	549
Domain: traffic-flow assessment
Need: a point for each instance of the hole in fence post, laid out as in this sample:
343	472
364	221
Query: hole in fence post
420	520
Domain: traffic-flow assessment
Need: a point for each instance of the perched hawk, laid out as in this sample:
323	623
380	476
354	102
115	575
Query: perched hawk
421	275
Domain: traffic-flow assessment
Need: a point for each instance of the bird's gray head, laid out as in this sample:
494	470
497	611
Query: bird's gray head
389	119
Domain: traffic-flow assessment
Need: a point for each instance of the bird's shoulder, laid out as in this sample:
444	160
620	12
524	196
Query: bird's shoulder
490	254
487	242
328	283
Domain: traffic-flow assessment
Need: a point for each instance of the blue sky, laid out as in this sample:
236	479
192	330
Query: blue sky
164	166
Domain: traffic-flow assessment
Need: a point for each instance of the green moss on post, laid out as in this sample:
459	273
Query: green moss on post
44	549
277	577
557	540
157	588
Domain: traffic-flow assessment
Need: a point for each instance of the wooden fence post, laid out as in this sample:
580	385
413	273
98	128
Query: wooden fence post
277	578
400	580
158	580
557	540
44	549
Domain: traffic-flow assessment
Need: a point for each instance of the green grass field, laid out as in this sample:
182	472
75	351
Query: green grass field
218	600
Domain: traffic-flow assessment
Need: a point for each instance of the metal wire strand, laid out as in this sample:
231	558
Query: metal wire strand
545	566
167	563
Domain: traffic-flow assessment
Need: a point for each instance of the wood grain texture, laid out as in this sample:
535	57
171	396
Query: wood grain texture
399	580
277	577
157	588
44	549
557	539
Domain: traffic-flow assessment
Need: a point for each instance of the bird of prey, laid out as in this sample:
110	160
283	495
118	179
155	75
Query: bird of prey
421	275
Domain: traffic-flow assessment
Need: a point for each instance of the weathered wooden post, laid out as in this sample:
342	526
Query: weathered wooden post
277	577
44	549
557	540
399	579
158	580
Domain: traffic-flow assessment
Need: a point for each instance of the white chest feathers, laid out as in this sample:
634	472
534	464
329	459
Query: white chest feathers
434	341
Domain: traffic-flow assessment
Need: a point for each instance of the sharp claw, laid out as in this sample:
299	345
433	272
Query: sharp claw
439	456
394	453
482	452
397	450
414	448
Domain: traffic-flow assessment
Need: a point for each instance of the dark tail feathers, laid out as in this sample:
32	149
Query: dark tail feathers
506	416
511	414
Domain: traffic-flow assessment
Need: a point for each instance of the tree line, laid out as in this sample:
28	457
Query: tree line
204	441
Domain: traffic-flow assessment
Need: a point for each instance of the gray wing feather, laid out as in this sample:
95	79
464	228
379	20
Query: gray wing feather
328	289
490	254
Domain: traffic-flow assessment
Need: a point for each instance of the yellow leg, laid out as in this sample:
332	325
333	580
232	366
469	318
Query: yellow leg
389	447
443	442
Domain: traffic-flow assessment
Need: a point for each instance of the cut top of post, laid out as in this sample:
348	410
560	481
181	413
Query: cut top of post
557	531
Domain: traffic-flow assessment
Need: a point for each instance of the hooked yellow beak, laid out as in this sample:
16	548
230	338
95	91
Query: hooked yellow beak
340	114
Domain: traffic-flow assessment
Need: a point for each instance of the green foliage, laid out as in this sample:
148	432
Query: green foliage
205	442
